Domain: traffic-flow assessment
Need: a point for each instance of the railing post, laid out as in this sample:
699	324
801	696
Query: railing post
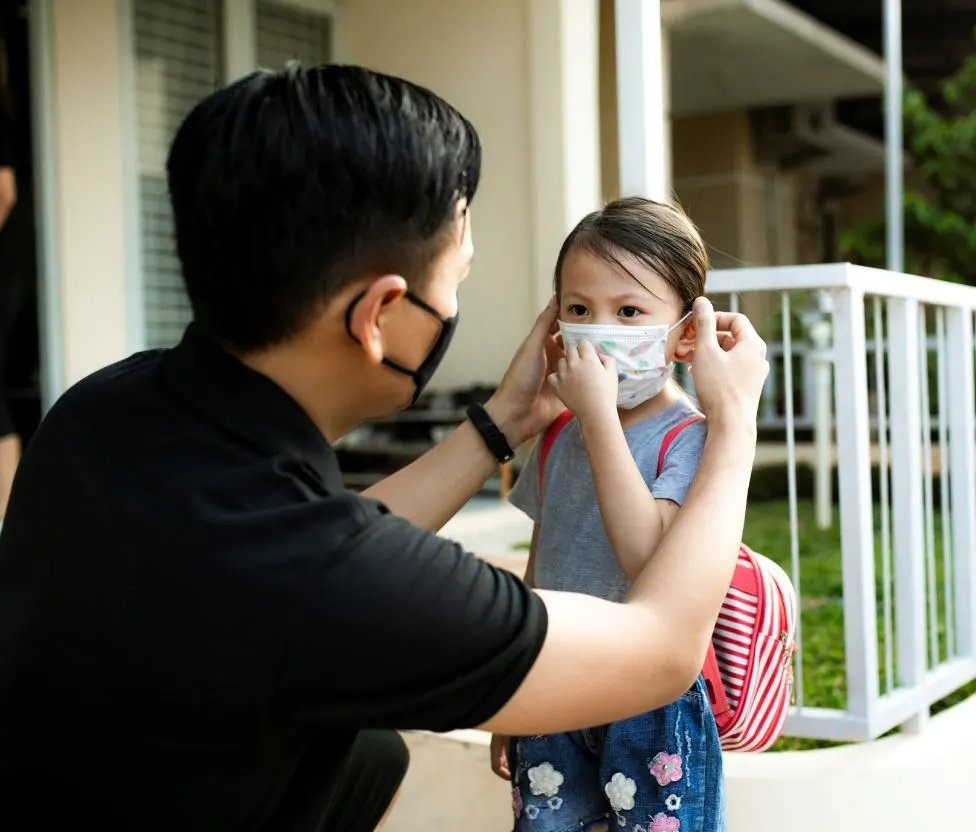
856	514
962	472
906	501
822	416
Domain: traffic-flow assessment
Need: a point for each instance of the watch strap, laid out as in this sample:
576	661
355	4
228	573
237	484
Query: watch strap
490	432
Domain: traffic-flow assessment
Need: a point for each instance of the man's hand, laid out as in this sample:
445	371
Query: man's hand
729	365
524	405
586	383
499	756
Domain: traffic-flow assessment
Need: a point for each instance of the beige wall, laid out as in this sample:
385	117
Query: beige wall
526	77
89	179
475	55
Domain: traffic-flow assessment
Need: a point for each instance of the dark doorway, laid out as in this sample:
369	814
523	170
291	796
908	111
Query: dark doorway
22	370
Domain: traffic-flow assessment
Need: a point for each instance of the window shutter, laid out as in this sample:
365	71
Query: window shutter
177	46
285	34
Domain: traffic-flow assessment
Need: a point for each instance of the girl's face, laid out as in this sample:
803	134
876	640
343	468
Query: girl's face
594	291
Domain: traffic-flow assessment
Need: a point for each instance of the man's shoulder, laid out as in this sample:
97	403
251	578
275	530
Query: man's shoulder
111	385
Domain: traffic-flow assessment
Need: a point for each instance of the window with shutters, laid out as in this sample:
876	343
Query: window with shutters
285	33
178	59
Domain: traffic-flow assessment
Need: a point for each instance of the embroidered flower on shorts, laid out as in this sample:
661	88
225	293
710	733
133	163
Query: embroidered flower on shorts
662	823
666	768
554	803
516	802
532	812
545	780
620	792
673	803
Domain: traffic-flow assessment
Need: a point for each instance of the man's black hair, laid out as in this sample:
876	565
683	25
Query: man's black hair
286	186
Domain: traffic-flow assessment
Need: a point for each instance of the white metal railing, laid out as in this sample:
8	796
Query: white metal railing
909	635
772	406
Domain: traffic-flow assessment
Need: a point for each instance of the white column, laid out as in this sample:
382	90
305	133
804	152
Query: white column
564	125
46	201
894	164
643	100
240	39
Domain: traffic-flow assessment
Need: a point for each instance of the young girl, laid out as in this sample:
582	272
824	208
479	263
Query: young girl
625	278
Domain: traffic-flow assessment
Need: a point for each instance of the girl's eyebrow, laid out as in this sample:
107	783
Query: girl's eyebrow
618	264
633	299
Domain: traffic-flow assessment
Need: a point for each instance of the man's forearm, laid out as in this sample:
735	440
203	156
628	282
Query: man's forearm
698	552
431	490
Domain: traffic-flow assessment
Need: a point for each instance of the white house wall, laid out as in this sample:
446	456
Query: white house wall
88	151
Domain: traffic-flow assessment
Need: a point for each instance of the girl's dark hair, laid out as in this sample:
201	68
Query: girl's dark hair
660	236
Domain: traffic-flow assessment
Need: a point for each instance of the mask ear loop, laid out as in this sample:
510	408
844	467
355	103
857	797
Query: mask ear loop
680	321
674	326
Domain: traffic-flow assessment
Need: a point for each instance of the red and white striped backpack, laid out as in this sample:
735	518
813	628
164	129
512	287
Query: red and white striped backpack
749	667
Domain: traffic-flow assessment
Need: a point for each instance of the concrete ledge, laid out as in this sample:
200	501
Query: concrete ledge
899	784
450	786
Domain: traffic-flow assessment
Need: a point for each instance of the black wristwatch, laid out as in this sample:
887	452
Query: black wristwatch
490	432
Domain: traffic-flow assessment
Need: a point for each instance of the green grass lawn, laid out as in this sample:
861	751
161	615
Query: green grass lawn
822	611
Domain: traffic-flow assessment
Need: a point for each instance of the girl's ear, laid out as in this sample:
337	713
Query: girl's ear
685	348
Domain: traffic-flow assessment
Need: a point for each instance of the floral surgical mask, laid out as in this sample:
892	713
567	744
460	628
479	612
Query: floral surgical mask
640	353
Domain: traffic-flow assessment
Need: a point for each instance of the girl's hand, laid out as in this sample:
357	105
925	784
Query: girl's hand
499	756
586	382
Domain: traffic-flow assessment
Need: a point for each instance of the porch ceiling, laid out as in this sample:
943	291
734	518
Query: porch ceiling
735	54
850	153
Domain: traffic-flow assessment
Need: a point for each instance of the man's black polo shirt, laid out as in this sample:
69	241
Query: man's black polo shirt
190	604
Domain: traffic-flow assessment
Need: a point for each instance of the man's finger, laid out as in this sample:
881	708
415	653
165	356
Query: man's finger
726	340
705	325
739	325
547	323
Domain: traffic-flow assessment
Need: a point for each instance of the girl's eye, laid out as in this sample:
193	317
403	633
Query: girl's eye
577	309
629	312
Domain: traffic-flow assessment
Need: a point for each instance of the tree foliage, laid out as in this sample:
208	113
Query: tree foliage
940	218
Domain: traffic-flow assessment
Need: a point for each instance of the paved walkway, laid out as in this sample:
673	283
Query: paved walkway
493	529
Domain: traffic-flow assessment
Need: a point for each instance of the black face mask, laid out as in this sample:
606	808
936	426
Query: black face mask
422	375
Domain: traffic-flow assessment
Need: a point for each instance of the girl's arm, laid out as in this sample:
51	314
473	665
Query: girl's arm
634	520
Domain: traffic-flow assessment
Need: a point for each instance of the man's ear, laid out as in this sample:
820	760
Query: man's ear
365	314
685	348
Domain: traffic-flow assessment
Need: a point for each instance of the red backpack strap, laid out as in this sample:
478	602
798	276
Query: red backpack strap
670	436
548	438
715	688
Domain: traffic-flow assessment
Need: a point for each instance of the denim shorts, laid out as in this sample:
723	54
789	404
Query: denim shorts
658	772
